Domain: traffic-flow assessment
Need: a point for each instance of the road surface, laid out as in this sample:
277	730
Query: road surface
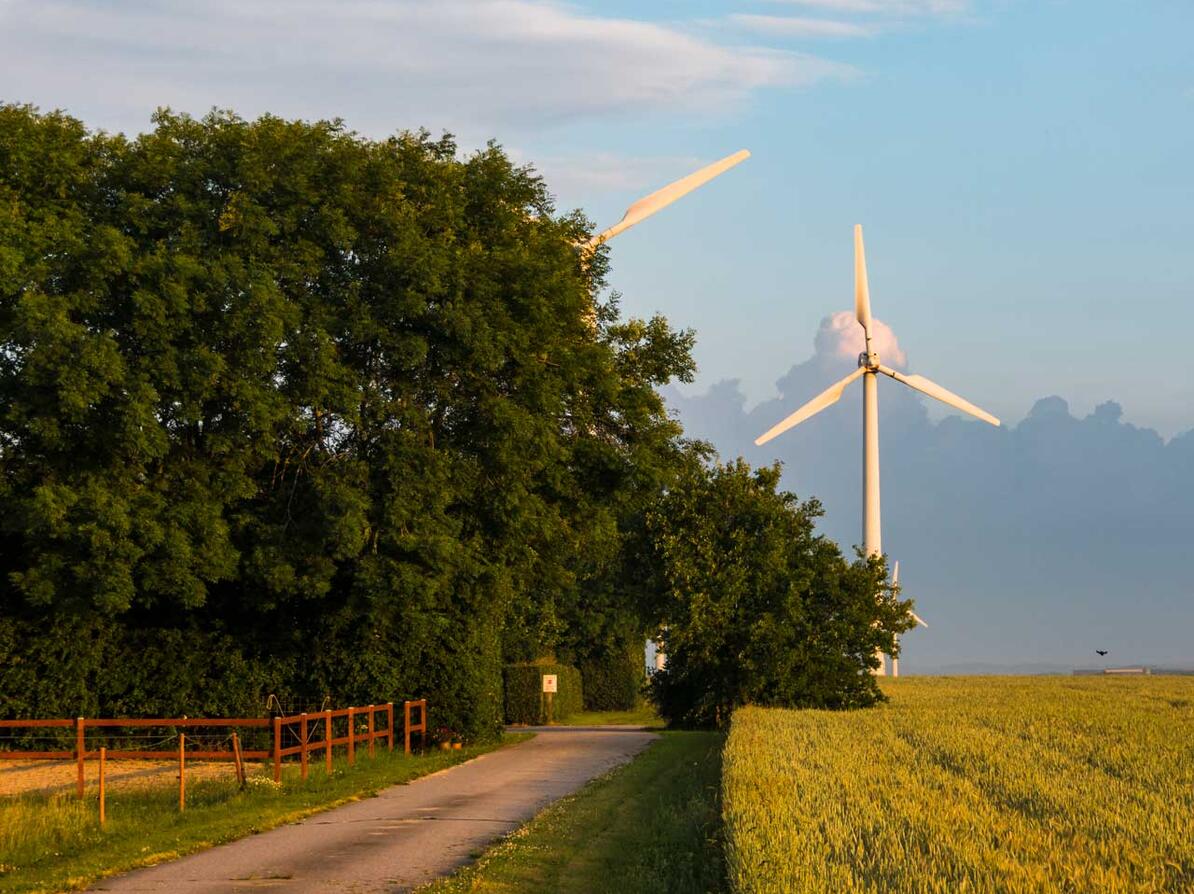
409	834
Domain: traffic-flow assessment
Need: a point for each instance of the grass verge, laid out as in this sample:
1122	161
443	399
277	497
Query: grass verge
652	825
54	842
643	715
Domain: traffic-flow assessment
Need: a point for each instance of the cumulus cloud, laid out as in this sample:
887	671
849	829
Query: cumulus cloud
1079	523
464	64
840	336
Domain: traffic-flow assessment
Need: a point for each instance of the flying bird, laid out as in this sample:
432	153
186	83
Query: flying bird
1102	651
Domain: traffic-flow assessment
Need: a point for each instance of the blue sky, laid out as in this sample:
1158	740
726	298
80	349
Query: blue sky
1022	169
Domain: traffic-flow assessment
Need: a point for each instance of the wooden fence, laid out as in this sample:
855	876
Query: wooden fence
420	727
304	728
321	731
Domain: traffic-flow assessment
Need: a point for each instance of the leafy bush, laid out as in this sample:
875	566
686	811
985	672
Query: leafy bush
100	668
613	682
759	608
526	701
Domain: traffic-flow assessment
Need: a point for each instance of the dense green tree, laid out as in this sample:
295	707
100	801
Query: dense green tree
756	607
350	405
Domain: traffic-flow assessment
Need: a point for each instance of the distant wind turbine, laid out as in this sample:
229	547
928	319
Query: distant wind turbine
895	582
868	369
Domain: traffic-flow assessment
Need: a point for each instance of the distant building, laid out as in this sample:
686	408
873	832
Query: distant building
1115	671
654	657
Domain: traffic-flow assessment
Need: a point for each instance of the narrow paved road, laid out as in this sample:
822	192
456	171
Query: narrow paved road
408	834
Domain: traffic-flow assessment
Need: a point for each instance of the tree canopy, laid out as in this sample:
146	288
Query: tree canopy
756	608
287	409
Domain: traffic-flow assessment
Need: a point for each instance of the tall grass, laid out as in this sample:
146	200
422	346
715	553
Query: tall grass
995	784
31	828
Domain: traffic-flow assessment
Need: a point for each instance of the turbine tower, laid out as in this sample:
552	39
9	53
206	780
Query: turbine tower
868	370
895	582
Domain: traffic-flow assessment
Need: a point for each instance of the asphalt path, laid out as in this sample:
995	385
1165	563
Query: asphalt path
408	834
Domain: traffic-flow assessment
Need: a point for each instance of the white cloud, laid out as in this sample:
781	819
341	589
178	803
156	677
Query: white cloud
886	7
475	66
794	26
841	336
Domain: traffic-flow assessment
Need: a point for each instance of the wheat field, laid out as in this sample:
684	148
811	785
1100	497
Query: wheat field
1039	784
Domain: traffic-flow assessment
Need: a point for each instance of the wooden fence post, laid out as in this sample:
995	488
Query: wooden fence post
240	763
327	734
390	725
102	760
406	726
352	754
182	772
303	744
80	753
422	704
277	749
371	731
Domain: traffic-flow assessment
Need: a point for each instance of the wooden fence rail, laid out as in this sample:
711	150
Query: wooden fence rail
304	727
359	725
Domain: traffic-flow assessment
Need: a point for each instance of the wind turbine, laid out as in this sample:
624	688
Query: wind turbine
895	582
868	370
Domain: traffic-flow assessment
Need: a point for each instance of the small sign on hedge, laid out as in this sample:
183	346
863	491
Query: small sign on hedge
527	693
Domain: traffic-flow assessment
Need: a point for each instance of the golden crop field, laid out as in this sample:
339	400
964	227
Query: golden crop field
996	784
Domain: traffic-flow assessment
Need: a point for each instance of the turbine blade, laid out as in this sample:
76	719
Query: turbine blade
932	389
895	575
660	199
917	619
826	398
862	291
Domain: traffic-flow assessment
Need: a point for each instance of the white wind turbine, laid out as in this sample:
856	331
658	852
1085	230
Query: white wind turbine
868	369
895	582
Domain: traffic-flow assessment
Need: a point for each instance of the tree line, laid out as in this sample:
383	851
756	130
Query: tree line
285	409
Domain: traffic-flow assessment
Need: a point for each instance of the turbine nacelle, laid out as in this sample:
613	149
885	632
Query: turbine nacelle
868	362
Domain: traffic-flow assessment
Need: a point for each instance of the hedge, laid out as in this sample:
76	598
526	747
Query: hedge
613	682
525	700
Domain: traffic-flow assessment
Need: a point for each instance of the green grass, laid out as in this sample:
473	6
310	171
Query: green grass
652	825
643	715
54	843
1015	785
